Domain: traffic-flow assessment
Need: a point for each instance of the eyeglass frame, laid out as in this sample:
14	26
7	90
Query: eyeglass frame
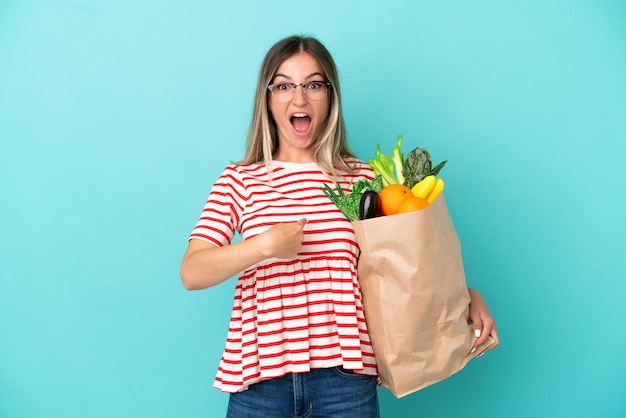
303	85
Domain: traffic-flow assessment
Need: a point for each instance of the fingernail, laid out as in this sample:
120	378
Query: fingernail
477	333
473	350
480	355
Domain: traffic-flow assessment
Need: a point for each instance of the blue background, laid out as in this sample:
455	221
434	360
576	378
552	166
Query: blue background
117	116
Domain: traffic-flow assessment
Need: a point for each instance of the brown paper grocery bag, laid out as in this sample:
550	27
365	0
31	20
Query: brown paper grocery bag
415	297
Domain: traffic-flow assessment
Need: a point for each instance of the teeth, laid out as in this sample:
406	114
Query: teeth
299	115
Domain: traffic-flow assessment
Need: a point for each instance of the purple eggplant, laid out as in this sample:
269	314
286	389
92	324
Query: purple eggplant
369	207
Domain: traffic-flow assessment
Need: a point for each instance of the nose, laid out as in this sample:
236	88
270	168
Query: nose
299	96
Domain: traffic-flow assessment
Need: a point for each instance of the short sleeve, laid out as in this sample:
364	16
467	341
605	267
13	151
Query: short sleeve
221	216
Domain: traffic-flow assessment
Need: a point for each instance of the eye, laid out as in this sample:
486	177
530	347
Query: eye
315	85
283	86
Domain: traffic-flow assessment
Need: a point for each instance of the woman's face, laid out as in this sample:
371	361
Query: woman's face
299	121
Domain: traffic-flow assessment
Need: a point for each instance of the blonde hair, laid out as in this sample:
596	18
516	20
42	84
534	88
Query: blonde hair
331	148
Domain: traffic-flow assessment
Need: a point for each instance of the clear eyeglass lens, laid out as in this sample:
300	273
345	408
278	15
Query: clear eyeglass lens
314	90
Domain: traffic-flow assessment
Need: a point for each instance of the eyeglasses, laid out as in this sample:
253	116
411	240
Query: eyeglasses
313	90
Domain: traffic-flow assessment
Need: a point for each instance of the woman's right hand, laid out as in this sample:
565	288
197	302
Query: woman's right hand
205	264
283	240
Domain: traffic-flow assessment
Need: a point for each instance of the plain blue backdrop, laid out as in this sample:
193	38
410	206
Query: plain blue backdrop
116	117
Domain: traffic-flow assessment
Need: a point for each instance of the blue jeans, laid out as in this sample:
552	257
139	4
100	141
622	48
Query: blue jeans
334	393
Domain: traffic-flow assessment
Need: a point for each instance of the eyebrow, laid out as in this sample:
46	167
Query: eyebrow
306	78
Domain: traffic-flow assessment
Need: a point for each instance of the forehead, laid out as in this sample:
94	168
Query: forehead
300	65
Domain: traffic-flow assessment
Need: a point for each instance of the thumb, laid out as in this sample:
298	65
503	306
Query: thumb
302	222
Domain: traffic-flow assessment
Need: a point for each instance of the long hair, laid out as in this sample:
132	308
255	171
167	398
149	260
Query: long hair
331	148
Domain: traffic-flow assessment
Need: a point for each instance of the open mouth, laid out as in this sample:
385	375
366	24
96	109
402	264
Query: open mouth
301	123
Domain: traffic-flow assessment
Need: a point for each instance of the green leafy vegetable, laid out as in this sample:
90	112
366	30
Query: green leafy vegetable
377	184
418	165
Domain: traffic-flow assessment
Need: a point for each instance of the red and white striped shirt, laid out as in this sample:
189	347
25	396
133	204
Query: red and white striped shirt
289	315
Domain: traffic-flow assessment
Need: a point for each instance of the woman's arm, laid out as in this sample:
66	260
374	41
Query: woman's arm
205	264
482	321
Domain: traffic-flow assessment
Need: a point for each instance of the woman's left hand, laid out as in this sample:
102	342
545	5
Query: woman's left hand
483	324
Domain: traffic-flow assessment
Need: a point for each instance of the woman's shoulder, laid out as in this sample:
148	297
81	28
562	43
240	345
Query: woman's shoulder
243	169
245	173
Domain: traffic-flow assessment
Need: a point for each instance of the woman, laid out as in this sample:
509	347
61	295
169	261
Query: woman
297	341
